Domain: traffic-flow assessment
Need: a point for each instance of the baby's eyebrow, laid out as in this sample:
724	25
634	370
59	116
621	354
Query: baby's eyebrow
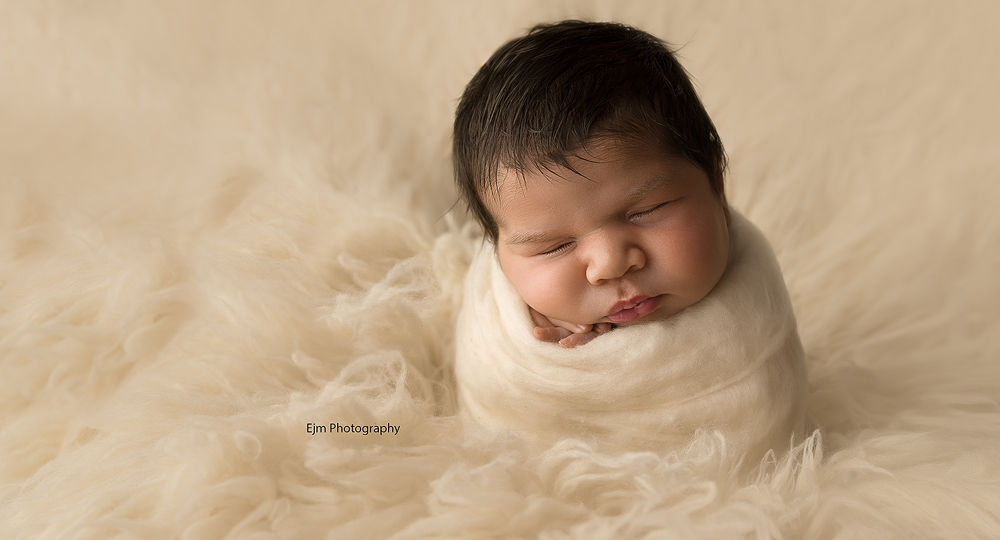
647	187
520	238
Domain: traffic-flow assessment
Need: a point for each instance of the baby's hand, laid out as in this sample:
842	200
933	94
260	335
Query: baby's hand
568	335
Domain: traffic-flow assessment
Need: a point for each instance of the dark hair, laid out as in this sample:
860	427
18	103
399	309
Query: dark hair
542	97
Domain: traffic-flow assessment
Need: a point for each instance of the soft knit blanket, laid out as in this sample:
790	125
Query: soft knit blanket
731	363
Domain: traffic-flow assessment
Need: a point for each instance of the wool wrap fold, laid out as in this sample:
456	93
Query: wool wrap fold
731	363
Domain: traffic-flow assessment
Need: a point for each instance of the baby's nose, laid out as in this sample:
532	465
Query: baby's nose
612	259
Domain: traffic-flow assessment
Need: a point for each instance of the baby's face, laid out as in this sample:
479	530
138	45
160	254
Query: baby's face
640	238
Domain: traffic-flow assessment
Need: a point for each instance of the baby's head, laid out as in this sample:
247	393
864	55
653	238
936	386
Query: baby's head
587	157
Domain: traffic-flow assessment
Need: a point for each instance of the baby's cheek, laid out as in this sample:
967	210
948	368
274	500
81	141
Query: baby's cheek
538	291
704	257
548	293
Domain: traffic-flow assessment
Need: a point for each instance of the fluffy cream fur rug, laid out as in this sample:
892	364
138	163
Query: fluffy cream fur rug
225	226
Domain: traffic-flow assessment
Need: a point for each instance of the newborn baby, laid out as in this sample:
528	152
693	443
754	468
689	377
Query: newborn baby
624	234
597	176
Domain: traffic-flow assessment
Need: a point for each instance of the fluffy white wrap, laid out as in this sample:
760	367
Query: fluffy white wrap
731	363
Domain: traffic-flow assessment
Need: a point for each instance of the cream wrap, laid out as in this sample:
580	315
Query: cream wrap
731	363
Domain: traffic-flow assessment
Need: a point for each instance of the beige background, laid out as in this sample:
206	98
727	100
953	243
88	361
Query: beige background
222	220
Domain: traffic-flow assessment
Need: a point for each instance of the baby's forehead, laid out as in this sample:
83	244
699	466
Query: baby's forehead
572	166
513	185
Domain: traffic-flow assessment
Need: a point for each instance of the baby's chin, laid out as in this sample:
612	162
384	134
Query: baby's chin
657	316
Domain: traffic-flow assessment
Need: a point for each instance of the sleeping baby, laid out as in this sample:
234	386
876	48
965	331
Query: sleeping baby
617	298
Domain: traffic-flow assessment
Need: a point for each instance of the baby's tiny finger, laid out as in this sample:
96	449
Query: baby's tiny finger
550	334
540	320
575	340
